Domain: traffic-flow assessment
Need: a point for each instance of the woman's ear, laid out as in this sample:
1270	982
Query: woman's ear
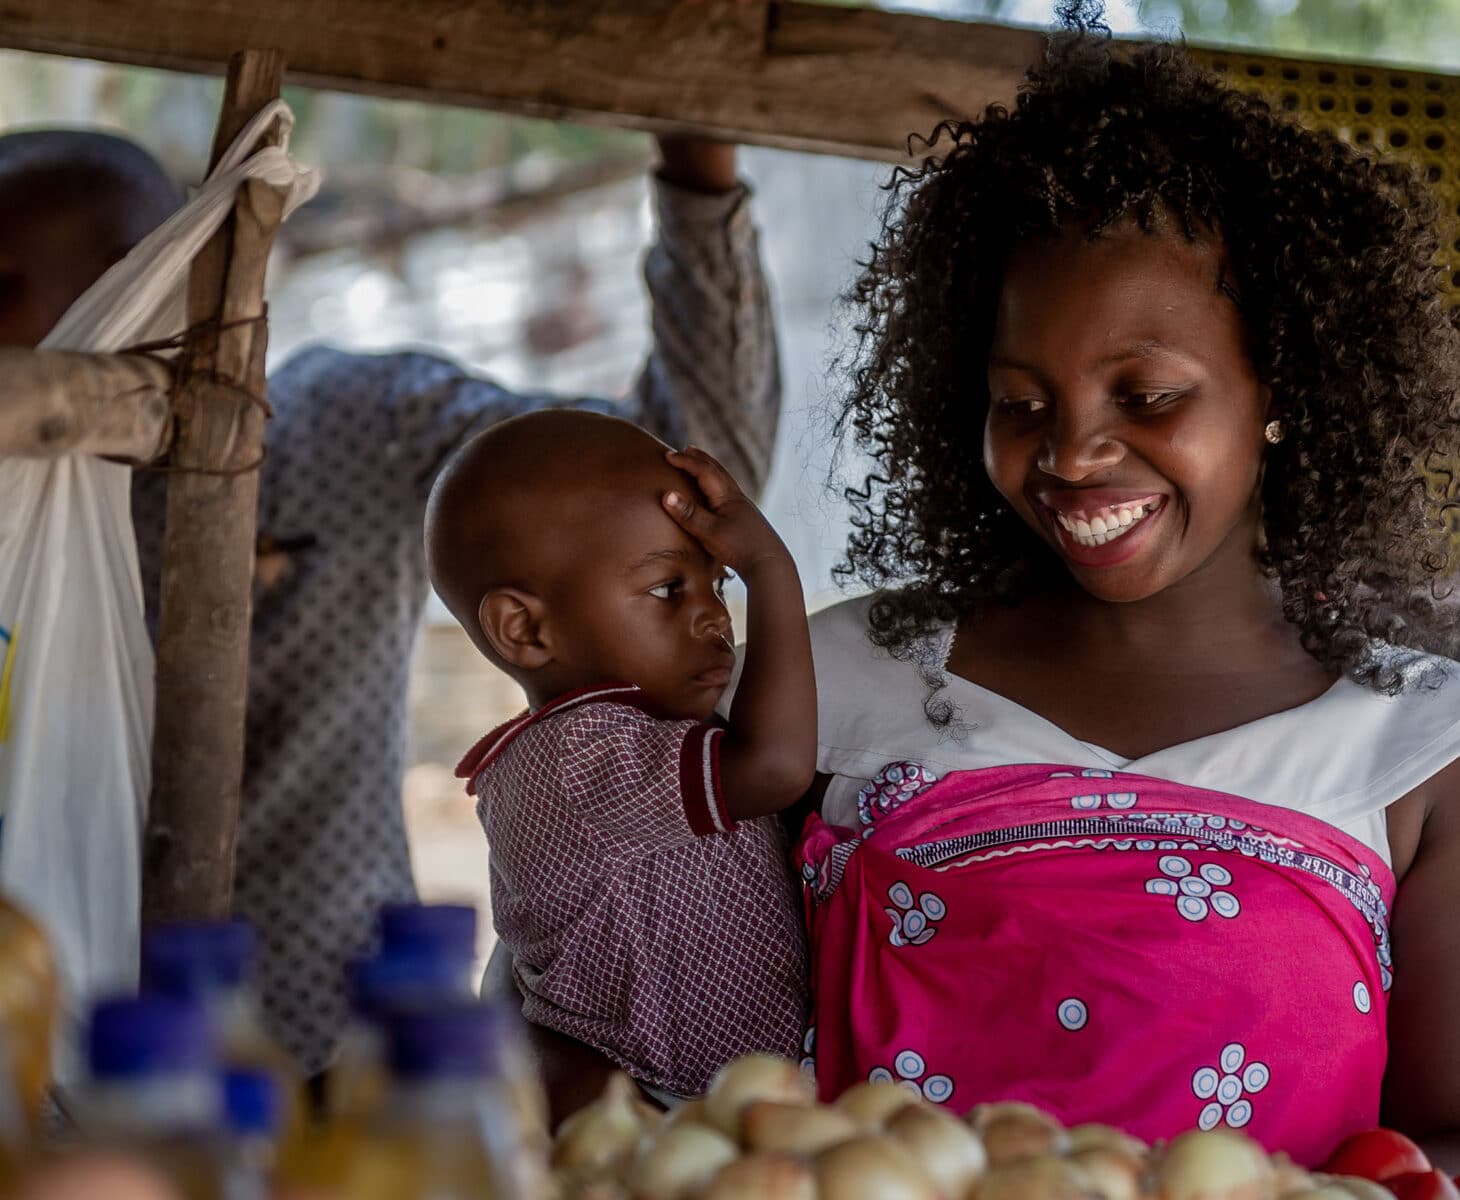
512	623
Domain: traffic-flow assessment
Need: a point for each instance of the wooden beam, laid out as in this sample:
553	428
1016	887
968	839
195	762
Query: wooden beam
780	72
55	402
208	551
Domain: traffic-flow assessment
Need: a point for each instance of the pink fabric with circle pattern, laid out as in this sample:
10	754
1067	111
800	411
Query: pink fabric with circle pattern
1106	946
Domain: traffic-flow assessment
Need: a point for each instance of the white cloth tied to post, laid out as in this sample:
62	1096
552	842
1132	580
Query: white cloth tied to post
76	687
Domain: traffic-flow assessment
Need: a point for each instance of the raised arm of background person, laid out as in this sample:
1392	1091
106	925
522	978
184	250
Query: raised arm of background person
713	376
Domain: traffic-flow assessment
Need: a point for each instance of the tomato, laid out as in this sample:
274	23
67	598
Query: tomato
1377	1155
1422	1185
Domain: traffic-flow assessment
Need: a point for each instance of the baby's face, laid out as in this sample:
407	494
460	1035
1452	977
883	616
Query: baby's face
644	604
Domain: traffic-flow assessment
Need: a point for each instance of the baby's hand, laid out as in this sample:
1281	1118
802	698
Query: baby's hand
727	524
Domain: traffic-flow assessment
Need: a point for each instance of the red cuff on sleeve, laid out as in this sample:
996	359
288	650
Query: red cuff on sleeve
699	781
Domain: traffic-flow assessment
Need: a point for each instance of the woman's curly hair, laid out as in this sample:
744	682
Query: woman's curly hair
1333	257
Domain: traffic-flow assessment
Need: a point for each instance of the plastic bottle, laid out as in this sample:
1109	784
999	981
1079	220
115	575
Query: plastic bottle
448	1129
426	954
253	1108
210	961
155	1090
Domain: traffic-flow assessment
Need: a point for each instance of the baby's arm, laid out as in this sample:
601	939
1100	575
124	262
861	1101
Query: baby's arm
768	753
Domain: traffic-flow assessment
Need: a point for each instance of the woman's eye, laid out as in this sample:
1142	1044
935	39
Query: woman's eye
664	591
1144	401
1020	406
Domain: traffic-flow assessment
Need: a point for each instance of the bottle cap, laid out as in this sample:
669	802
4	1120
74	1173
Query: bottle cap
135	1036
251	1103
449	929
438	1041
391	981
191	958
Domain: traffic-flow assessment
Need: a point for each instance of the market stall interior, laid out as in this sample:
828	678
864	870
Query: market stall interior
776	72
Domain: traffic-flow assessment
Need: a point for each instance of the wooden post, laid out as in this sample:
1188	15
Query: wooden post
208	553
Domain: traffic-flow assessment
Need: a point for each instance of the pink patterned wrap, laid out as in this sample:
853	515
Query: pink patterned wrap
1106	946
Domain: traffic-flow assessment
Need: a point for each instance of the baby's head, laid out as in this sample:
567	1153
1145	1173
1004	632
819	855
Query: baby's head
547	538
72	203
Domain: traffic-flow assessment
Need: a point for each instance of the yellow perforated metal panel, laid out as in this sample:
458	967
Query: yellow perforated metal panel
1407	113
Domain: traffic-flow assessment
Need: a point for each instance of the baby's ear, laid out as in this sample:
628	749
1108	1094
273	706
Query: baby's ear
512	622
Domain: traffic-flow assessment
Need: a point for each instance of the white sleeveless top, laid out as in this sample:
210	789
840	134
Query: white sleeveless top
1343	757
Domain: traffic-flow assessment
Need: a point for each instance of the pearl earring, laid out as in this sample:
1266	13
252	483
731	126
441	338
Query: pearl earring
1274	432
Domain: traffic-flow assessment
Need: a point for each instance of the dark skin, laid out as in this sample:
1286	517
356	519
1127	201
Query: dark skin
578	551
628	588
48	257
1158	398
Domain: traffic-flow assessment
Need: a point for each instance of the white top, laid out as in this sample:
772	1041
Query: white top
1343	757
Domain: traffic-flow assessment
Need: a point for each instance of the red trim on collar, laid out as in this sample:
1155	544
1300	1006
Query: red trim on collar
485	752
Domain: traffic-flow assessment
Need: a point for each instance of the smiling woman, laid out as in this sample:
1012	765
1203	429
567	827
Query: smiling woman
1163	659
1155	410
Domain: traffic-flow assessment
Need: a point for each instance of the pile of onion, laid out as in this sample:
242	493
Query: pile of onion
758	1133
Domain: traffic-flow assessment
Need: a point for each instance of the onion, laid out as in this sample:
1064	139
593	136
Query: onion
1013	1131
679	1162
871	1168
1115	1174
1087	1137
597	1142
1289	1178
689	1112
1353	1187
755	1077
1219	1164
91	1174
1043	1178
870	1104
601	1189
763	1177
793	1128
948	1151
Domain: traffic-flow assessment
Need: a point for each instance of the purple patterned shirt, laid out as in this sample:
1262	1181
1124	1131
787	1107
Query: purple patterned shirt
641	919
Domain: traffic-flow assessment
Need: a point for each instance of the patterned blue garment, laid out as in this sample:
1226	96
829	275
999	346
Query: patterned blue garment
353	448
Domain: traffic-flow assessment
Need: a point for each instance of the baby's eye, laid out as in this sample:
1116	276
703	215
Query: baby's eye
666	590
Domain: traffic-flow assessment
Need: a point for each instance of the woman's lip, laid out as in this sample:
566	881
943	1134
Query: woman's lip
1112	554
1068	500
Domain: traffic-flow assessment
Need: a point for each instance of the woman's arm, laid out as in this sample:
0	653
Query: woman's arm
1422	1081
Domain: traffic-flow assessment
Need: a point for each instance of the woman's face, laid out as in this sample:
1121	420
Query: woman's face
1125	417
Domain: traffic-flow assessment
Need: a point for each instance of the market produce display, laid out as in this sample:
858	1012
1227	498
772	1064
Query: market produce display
760	1134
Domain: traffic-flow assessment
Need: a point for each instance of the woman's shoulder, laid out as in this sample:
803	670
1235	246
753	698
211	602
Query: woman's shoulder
843	647
840	626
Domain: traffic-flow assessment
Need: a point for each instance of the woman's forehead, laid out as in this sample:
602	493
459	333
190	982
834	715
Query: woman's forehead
1123	286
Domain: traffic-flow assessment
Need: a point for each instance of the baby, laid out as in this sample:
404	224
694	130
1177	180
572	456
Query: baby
639	876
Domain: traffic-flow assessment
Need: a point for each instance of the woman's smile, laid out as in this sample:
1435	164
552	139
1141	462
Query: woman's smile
1104	535
1132	441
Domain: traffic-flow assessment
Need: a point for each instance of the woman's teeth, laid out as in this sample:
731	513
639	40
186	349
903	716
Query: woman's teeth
1105	524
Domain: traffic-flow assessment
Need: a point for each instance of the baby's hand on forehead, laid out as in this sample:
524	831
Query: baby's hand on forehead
721	517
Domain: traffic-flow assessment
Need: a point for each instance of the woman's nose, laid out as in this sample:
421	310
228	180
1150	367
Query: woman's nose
1078	444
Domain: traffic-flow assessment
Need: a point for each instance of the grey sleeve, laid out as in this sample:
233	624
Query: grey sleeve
713	375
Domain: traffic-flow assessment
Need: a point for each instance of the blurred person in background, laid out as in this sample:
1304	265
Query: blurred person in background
352	450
